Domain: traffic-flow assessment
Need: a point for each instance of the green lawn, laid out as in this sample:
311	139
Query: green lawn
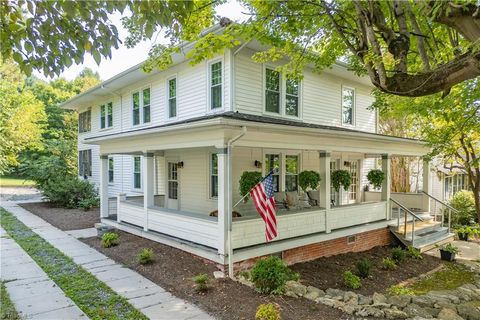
7	309
9	181
91	295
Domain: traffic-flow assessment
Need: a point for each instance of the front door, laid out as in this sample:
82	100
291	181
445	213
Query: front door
172	185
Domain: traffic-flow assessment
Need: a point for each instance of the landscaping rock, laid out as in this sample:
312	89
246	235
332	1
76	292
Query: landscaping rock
445	305
334	292
296	287
400	300
469	292
313	293
348	309
364	300
468	311
413	310
246	282
448	314
350	298
330	302
378	298
218	274
395	314
423	301
369	311
290	294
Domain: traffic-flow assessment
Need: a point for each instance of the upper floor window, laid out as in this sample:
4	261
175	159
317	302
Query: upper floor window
85	163
141	106
272	161
106	115
272	91
216	85
172	98
214	175
110	170
291	97
137	172
348	105
84	121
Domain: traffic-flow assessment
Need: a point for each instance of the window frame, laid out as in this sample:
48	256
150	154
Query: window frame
84	127
167	97
283	95
81	156
280	103
111	170
292	174
211	174
282	174
354	106
141	106
108	115
209	85
135	172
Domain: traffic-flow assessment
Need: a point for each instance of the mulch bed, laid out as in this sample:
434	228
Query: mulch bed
64	219
174	269
327	272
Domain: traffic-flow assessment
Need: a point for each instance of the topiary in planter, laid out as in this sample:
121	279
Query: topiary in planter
248	180
376	177
308	179
341	178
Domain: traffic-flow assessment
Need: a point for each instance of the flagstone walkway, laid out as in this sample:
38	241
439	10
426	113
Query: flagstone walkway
143	294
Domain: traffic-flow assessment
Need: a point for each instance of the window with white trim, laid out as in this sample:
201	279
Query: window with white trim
110	170
272	91
172	98
85	163
141	106
216	85
84	121
106	115
213	175
137	172
348	105
291	173
282	94
272	161
291	97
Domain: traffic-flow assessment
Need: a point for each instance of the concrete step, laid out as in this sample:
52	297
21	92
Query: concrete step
420	227
427	239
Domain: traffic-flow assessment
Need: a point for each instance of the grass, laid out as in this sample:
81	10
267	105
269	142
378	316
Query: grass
449	278
91	295
7	309
9	181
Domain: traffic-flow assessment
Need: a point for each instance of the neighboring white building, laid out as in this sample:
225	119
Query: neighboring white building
168	148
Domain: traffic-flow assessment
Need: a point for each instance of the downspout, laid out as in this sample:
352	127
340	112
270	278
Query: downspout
229	199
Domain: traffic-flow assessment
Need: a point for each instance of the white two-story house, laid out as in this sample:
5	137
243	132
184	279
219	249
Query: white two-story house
167	150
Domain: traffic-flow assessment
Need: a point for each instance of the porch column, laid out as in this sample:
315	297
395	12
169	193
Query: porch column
386	184
103	186
222	199
325	186
426	185
148	179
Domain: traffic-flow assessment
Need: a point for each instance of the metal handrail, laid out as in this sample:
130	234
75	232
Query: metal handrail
401	206
449	207
441	202
406	209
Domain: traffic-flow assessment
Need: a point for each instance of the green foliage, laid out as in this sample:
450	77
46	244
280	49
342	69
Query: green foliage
389	264
145	256
397	290
201	282
449	247
270	275
351	281
398	254
92	296
308	179
109	239
268	311
341	178
376	177
248	180
7	309
70	192
364	267
414	253
464	202
471	231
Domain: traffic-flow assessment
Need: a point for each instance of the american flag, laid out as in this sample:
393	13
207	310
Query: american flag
262	195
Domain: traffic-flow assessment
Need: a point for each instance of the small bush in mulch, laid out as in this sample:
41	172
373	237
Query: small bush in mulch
389	264
363	267
145	256
270	275
398	254
109	239
201	283
268	311
351	281
414	253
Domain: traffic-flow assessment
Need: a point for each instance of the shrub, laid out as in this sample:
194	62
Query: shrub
375	177
398	254
389	264
341	178
351	281
363	267
201	282
414	253
399	290
268	311
464	202
248	180
70	192
145	256
308	179
270	275
109	239
89	203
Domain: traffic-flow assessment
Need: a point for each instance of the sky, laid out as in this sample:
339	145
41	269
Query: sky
124	58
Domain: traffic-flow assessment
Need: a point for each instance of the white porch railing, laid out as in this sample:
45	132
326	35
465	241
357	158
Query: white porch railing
410	200
183	225
356	214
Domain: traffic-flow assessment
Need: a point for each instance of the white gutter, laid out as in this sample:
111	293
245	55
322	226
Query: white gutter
229	199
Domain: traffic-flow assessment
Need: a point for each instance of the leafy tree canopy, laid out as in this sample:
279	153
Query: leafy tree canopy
409	48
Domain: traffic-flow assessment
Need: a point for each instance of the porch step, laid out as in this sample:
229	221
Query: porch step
420	227
427	236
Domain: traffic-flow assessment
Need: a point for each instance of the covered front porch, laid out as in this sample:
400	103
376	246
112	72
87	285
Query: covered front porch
188	186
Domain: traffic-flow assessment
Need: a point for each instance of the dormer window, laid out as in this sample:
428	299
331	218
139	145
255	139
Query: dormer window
106	115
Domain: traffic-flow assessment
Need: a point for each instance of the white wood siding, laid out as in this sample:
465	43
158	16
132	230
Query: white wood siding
351	215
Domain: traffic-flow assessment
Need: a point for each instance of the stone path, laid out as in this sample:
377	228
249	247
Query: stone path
82	233
468	251
28	285
143	294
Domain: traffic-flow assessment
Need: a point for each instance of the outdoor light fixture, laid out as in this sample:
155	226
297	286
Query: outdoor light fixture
257	164
180	164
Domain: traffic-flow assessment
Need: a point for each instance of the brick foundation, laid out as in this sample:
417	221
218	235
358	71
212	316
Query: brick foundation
363	241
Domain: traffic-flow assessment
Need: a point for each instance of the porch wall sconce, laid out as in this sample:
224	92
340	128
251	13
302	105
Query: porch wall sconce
180	164
257	164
